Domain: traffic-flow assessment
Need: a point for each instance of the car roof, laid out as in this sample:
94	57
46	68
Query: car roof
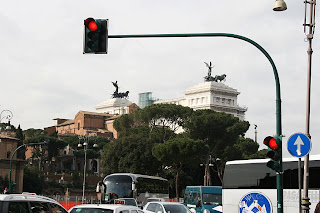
166	203
106	206
26	197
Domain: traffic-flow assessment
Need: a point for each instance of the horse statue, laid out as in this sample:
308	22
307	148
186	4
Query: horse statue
124	94
220	77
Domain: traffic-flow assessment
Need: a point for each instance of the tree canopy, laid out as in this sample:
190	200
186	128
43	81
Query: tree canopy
161	118
219	130
179	151
131	153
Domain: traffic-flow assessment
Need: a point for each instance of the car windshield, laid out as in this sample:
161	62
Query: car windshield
176	209
91	210
212	199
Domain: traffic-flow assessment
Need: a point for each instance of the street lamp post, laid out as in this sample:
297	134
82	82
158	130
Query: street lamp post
304	202
85	147
30	144
7	115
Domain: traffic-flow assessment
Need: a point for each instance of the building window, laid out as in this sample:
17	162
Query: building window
8	154
78	125
217	99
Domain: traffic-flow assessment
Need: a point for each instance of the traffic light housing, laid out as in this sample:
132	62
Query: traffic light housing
95	36
12	188
274	153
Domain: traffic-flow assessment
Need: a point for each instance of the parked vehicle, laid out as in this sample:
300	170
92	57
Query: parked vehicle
203	199
104	208
165	207
14	203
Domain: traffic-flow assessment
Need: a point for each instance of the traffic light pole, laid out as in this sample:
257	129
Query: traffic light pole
279	175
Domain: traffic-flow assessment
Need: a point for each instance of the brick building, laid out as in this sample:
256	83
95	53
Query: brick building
8	145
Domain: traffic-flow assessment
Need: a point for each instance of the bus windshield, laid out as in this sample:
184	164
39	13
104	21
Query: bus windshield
119	186
212	199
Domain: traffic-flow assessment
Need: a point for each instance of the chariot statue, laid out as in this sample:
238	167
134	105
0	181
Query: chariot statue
215	78
117	94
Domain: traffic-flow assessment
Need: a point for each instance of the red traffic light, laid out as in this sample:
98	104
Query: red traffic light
91	24
271	143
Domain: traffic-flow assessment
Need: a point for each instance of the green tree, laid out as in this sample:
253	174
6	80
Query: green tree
20	136
170	117
164	119
124	123
247	147
131	153
178	152
76	180
32	181
220	131
4	182
29	133
261	154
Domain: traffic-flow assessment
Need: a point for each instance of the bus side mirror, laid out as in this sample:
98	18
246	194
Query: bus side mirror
98	188
133	186
102	189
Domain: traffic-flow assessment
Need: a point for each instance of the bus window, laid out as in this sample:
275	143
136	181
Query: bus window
212	199
258	176
194	198
314	175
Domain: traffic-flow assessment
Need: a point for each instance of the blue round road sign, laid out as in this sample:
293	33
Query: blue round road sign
254	202
299	145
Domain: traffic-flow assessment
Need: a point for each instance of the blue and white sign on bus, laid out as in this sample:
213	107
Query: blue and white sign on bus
255	202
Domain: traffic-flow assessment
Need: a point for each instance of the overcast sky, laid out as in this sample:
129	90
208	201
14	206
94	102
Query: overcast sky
44	74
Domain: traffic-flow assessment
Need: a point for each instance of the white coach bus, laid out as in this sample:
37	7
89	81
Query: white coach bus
139	187
250	186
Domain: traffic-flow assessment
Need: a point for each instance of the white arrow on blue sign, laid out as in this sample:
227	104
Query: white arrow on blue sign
299	145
